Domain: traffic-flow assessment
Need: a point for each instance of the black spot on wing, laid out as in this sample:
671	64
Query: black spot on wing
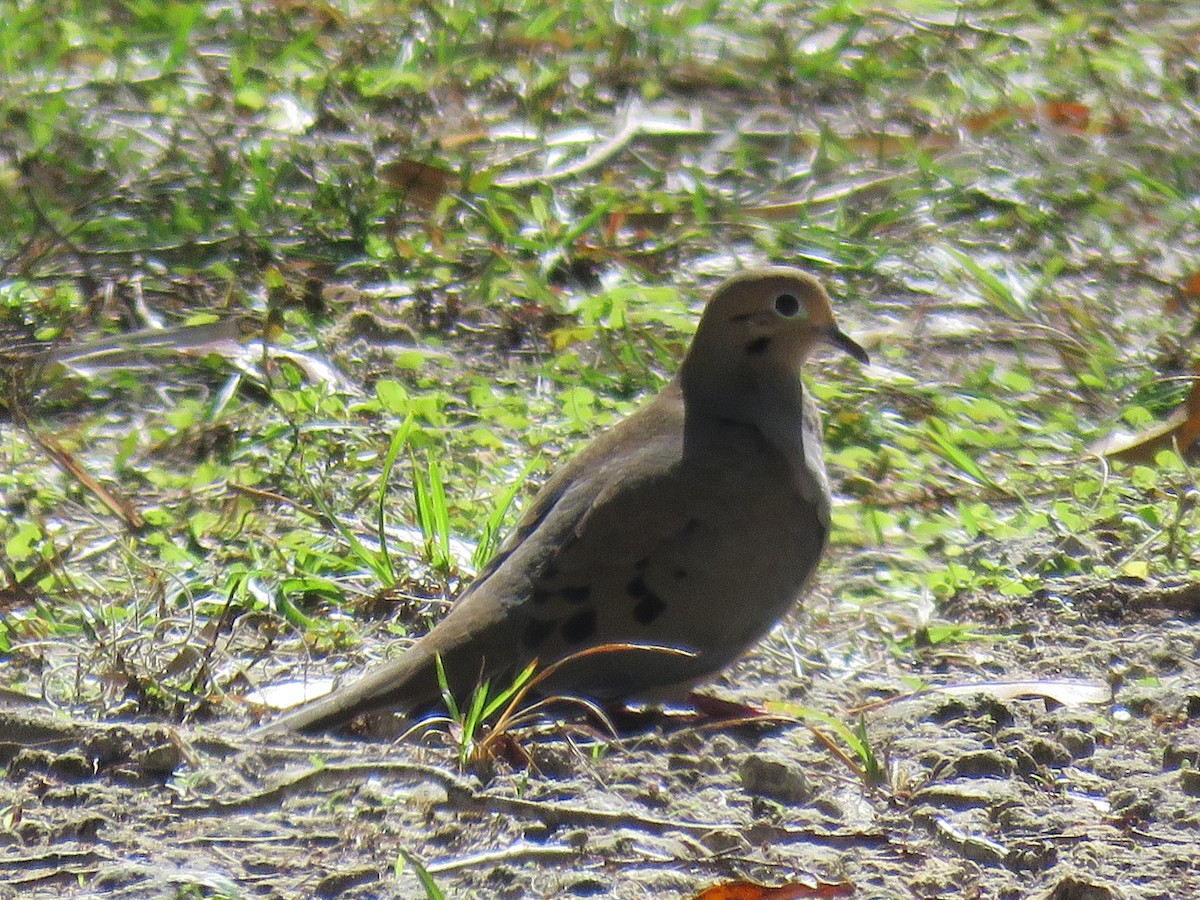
649	605
649	608
536	632
579	627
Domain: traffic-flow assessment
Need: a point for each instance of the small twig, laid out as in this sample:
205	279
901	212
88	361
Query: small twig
631	126
260	494
70	466
522	850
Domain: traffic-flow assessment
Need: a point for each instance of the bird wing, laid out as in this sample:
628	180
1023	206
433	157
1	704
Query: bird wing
607	508
482	633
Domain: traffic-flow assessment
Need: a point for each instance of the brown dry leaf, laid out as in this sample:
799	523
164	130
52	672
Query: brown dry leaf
558	40
1064	115
748	890
135	349
981	123
1185	294
238	339
1180	430
423	183
1067	115
897	145
452	140
1142	447
639	221
1191	429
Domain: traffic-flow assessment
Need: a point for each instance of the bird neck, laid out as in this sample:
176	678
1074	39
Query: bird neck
754	392
776	406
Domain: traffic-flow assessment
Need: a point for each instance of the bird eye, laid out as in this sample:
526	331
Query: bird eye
787	305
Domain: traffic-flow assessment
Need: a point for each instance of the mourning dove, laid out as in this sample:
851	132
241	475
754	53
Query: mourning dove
695	523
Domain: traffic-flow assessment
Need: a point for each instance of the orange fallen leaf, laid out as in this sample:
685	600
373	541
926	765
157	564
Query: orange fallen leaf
1190	288
1070	116
1180	430
1065	115
1184	295
748	890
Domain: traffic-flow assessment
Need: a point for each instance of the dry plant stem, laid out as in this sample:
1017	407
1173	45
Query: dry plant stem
507	720
259	494
837	751
630	127
65	462
515	853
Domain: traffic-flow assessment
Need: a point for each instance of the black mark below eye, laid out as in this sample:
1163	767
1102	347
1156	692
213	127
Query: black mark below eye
787	305
758	346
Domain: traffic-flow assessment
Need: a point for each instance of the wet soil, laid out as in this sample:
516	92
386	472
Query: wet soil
986	795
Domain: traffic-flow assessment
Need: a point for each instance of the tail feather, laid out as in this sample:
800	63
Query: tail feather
400	684
469	646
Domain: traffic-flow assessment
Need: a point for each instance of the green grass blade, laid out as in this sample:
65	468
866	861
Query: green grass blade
490	541
432	891
399	439
943	443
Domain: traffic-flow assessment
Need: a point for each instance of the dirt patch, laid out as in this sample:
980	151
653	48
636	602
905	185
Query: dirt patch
987	797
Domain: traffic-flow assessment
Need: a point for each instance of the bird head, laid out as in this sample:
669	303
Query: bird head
759	327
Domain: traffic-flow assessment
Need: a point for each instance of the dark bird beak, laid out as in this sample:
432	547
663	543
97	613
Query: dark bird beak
837	338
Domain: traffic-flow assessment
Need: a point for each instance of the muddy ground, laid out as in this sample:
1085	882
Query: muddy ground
987	796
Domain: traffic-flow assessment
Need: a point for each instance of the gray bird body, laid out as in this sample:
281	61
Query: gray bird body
695	523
